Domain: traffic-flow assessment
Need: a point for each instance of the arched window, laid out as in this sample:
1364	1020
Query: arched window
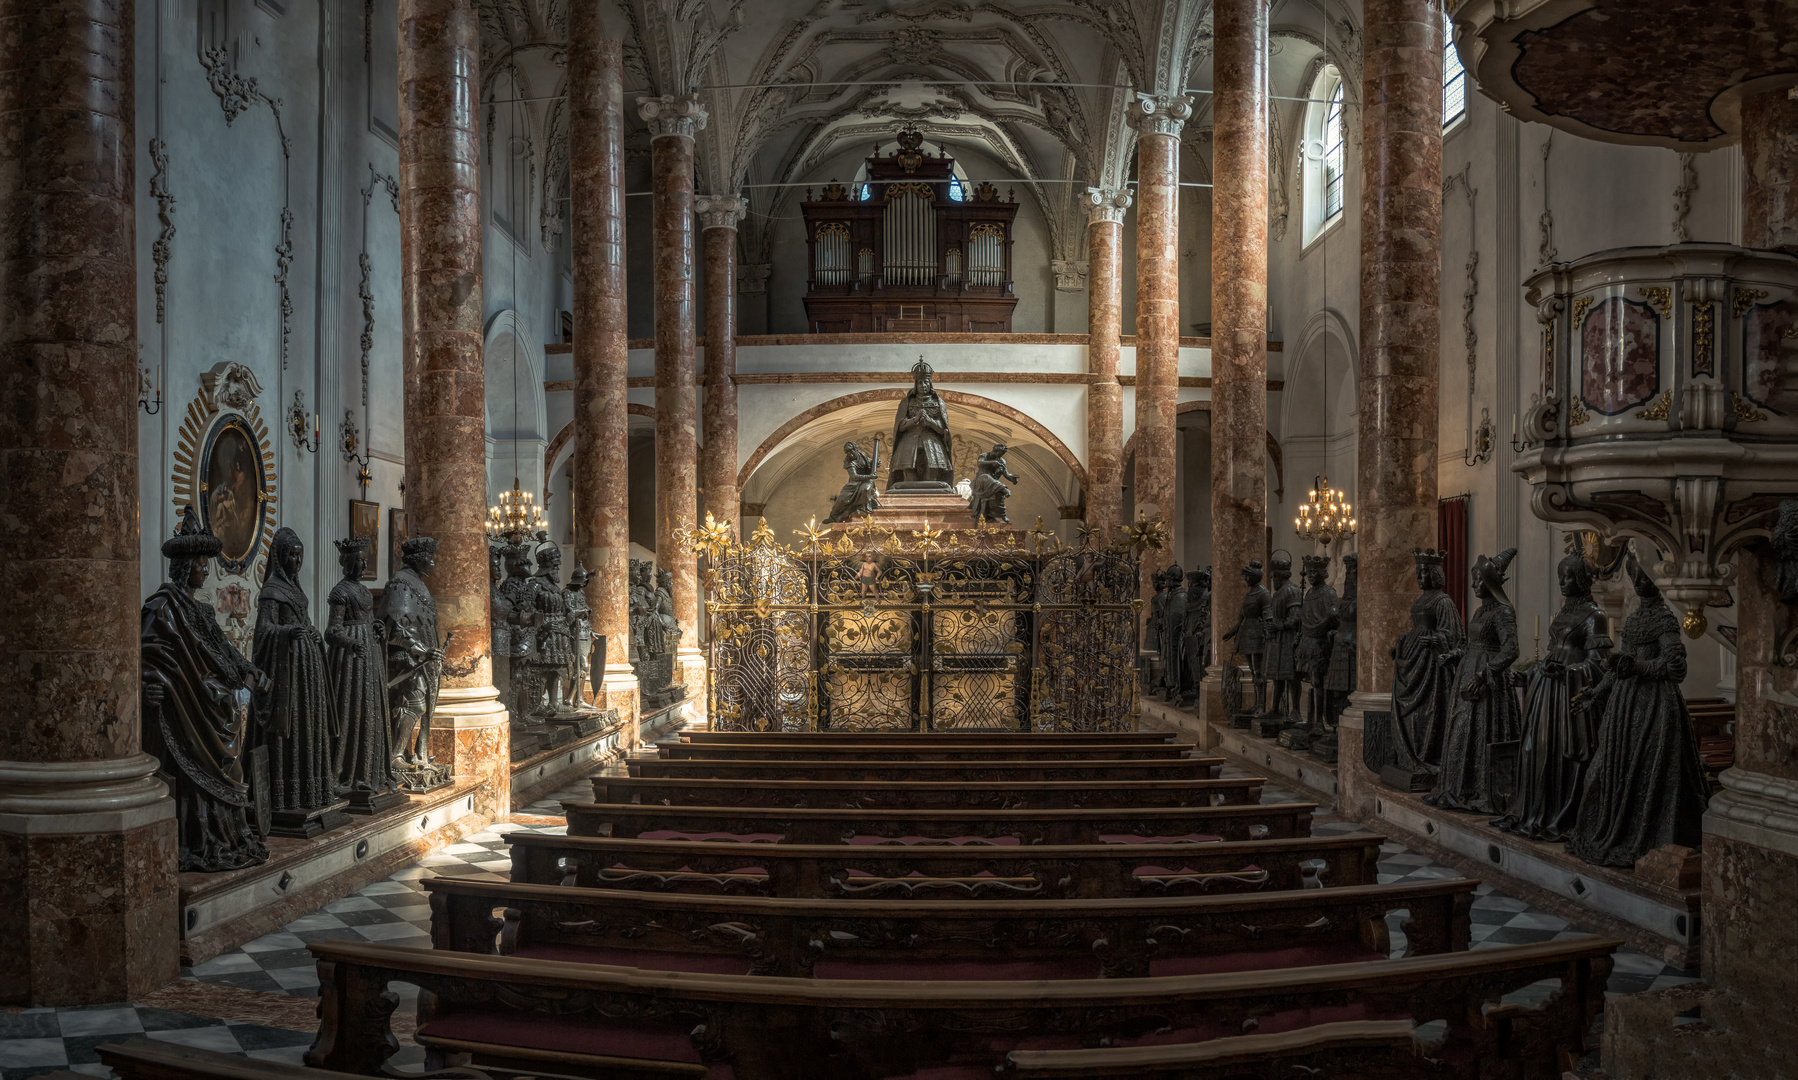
1332	153
1323	162
1454	77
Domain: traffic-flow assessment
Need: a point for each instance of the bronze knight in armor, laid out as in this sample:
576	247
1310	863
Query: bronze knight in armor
1284	609
1195	648
521	632
988	499
1250	632
196	711
921	443
555	636
414	664
1317	626
1172	625
580	622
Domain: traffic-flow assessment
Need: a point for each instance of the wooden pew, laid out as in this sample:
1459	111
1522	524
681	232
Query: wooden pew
1388	1049
833	826
932	939
872	738
934	872
770	1028
925	749
927	794
153	1059
984	771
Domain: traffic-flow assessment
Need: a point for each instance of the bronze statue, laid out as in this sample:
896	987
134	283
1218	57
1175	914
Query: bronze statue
296	718
642	603
1558	736
1423	672
1152	631
1173	627
1645	787
1284	614
1195	645
1250	634
857	496
989	495
1340	682
555	638
521	635
1485	706
1785	551
580	623
414	664
499	620
1317	629
355	661
921	442
196	708
671	628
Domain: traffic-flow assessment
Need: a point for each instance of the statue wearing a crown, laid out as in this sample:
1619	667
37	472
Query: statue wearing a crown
921	444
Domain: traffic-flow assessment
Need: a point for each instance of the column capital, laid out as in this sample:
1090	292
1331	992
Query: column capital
1160	114
720	211
672	114
752	278
1070	274
1106	204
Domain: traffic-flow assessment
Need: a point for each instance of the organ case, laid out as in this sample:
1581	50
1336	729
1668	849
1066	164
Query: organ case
911	249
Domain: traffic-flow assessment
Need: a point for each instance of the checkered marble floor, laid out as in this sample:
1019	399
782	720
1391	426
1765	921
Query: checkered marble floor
397	911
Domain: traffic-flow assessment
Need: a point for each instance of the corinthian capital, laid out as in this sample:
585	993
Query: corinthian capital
1160	114
720	211
1106	204
672	114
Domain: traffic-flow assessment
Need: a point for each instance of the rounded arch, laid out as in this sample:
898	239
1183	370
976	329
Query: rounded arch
953	397
1322	367
561	448
1323	152
513	405
1274	453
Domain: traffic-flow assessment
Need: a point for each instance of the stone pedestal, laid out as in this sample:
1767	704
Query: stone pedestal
913	511
305	824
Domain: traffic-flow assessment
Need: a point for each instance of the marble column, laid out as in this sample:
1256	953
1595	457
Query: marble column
1401	264
1104	397
719	214
602	531
87	833
673	121
1770	170
440	300
1238	316
1158	121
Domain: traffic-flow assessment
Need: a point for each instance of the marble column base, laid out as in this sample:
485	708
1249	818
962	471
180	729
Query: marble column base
689	671
87	871
618	690
471	734
1358	787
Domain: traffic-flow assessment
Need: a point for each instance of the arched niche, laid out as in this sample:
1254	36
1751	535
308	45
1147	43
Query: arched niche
516	414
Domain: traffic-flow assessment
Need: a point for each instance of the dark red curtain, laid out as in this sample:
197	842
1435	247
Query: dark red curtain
1451	540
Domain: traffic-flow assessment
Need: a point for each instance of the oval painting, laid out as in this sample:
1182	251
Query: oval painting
233	491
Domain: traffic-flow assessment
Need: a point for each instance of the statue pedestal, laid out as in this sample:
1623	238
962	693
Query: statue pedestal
910	511
373	802
303	824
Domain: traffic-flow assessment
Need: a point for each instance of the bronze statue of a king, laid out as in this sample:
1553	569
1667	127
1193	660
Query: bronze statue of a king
921	443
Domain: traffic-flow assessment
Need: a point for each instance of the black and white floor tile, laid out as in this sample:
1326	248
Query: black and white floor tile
396	911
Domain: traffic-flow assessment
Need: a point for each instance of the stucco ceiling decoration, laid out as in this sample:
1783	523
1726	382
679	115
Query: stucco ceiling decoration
1669	73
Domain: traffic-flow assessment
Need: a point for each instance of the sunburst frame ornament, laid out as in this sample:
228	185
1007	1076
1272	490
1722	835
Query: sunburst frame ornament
226	402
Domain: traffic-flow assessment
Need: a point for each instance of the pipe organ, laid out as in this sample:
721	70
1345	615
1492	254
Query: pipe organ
910	249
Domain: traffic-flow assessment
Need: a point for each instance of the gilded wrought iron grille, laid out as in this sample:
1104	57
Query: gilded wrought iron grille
867	630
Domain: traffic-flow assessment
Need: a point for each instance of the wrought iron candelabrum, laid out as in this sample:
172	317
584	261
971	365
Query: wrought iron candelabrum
516	515
1325	516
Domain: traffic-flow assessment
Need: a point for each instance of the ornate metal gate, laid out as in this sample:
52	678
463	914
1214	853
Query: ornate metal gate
867	630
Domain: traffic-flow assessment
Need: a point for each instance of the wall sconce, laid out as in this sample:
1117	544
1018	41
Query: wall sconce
296	424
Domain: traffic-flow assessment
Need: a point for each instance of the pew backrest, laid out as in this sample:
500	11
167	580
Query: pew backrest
927	794
923	750
991	769
935	872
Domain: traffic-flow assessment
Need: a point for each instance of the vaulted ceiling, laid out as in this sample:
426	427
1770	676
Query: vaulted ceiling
1038	87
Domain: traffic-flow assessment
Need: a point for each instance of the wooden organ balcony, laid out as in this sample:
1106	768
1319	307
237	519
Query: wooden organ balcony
902	252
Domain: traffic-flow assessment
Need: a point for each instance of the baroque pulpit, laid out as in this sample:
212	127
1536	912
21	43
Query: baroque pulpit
911	248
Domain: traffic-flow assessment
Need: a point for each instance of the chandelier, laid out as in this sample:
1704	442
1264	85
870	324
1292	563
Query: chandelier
515	517
1325	515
